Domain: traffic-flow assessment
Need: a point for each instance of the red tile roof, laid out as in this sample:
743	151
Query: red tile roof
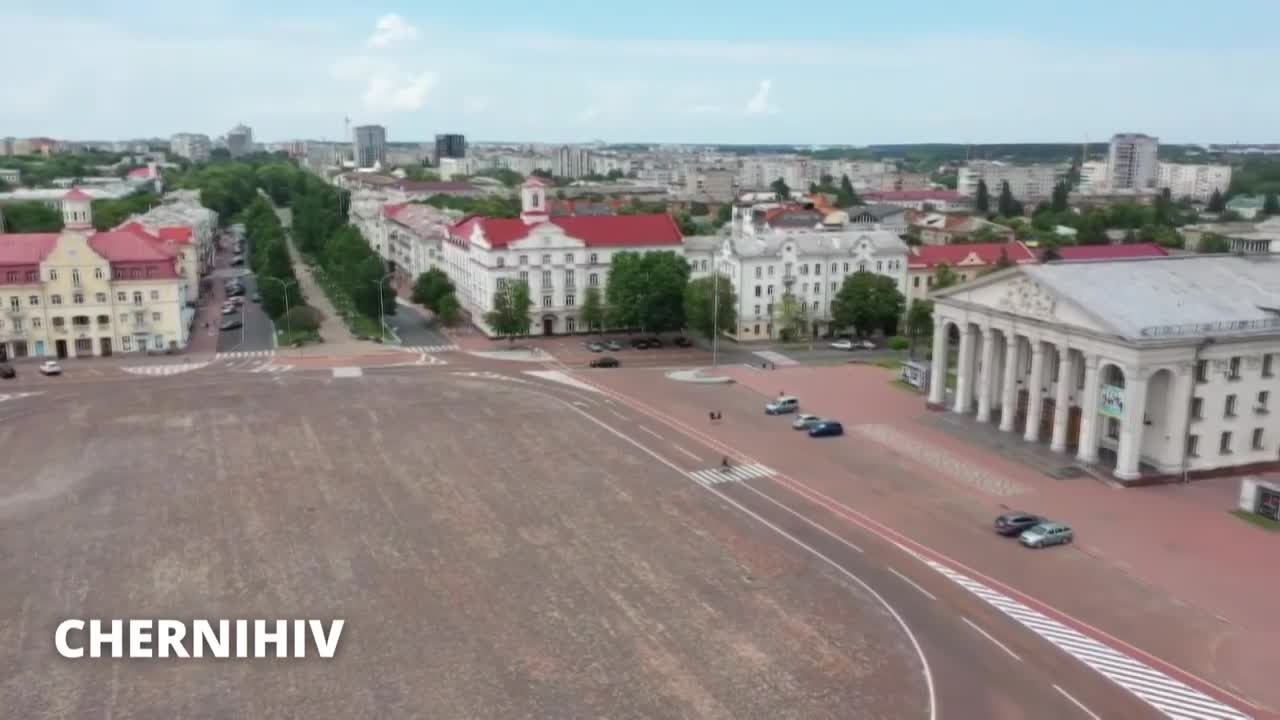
593	230
127	246
142	172
914	195
76	193
178	233
930	256
391	209
1111	252
26	248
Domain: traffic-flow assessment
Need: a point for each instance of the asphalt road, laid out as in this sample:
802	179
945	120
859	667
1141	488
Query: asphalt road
257	331
413	329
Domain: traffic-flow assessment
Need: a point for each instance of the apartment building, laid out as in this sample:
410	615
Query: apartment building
240	141
81	293
1131	162
369	146
1028	183
192	146
1197	182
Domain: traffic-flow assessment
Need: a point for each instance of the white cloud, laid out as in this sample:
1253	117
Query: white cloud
473	104
384	85
391	30
759	103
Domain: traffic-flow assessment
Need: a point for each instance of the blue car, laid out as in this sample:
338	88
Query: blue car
826	428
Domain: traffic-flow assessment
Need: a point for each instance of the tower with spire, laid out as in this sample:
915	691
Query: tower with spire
533	201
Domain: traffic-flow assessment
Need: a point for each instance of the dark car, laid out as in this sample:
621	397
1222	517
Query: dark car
232	325
683	342
1013	523
237	260
7	372
639	343
605	362
826	428
654	342
235	291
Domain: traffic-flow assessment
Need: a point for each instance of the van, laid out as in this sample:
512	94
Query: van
784	404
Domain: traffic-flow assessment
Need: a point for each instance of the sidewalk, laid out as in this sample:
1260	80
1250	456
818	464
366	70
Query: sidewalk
332	329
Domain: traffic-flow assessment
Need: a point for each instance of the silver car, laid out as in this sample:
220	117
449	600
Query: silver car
802	422
1046	534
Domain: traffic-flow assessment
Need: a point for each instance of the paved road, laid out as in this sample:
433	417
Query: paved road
257	332
413	329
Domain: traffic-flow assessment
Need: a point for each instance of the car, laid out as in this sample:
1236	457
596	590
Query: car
842	344
653	342
826	428
50	367
232	325
230	309
1046	534
596	347
847	344
237	260
235	292
1014	523
782	405
639	343
683	342
7	372
257	297
605	362
803	422
613	345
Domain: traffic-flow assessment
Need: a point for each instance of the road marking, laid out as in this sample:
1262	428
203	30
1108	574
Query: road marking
617	414
651	432
735	473
269	367
775	358
242	354
428	348
686	452
913	584
988	636
347	372
161	370
16	396
1077	703
815	525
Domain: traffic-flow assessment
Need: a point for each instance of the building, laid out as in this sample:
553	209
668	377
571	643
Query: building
369	146
1131	162
408	189
240	141
1245	237
967	261
452	167
1093	177
1197	182
7	145
1247	207
714	184
937	228
10	176
450	146
192	146
878	217
1120	251
1027	183
941	200
1151	367
82	293
182	218
407	155
572	162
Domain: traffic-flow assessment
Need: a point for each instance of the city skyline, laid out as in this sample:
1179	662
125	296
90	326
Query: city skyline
977	75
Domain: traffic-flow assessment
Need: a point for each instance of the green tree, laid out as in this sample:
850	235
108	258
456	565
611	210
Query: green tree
1271	204
1093	229
846	197
369	290
509	317
109	214
1049	251
1214	243
430	287
867	301
724	215
30	217
1061	195
982	200
448	310
919	322
1217	203
780	190
791	317
646	290
703	312
591	314
944	277
1006	204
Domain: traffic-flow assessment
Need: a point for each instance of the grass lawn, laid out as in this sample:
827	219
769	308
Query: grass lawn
1256	519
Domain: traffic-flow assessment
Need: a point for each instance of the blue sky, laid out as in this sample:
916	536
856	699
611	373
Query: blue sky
661	71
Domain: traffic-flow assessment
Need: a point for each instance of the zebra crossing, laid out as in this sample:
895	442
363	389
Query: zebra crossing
162	370
735	473
268	367
244	354
428	348
1172	698
776	358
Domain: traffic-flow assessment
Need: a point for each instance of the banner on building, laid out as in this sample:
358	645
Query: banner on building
1112	404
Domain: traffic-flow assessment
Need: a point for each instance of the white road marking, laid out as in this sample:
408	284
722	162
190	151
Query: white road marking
735	473
994	641
16	396
617	414
651	432
428	348
347	372
563	378
913	584
774	357
161	370
1077	703
686	452
243	354
810	522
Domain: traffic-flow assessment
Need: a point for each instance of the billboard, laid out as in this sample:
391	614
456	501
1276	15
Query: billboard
1112	401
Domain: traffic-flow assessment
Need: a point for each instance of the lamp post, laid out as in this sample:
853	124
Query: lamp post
284	287
382	313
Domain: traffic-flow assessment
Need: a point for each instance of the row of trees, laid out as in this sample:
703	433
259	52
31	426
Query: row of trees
269	259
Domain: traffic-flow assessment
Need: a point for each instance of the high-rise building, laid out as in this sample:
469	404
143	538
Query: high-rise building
369	146
192	146
240	141
6	145
1131	162
1027	183
1197	182
572	162
450	145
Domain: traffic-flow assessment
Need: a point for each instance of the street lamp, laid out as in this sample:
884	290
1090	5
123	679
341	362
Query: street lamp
284	287
382	313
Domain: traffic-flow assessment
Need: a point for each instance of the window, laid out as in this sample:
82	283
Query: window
546	278
502	261
757	291
36	323
155	317
570	324
804	269
1113	428
15	303
915	281
862	266
833	287
756	329
104	319
568	258
53	274
770	291
12	277
78	298
524	276
1193	446
1202	371
1257	439
593	259
17	324
59	322
33	276
771	268
769	308
1197	408
524	259
1224	444
137	298
75	277
546	259
846	267
593	280
815	304
759	272
155	294
817	268
33	300
1230	410
569	278
834	268
569	300
97	273
139	318
55	299
124	317
757	311
99	297
121	297
546	301
1266	365
126	343
1263	397
879	266
1234	372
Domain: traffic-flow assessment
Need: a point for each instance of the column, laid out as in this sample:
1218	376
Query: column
964	370
1035	405
938	369
1131	426
1062	400
987	371
1009	385
1088	451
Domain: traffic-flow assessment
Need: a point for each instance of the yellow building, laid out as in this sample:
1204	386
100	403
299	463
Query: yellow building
83	293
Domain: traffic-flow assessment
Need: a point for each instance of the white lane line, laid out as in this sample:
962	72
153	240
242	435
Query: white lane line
994	641
915	643
913	584
815	525
651	432
617	414
1077	703
686	452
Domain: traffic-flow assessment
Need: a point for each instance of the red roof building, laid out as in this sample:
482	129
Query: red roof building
928	257
1111	252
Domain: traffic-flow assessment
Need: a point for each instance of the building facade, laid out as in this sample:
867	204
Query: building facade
1132	163
369	146
968	261
572	162
1150	367
941	200
1197	182
192	146
1028	183
240	141
450	145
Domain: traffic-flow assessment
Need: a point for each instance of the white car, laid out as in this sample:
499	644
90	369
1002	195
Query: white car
846	344
50	367
802	422
230	309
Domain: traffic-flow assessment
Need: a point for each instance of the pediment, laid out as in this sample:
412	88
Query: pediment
547	236
1017	294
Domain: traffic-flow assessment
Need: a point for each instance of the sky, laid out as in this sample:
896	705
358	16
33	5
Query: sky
696	71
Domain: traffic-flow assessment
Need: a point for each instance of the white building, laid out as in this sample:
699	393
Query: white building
1131	162
572	162
1093	177
240	141
1157	366
182	219
413	238
192	146
1197	182
1028	183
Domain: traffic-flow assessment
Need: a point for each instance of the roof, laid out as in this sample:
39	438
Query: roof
818	242
534	180
915	195
425	221
76	193
175	234
436	186
879	211
127	246
1247	202
1111	252
26	248
593	230
930	256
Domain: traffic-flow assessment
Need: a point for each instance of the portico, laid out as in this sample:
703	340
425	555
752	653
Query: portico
1041	353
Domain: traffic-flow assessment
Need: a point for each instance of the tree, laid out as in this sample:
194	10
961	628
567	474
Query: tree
724	215
447	309
1007	205
430	287
1049	251
646	290
301	318
919	322
1093	229
846	197
1214	243
591	314
1217	203
867	301
944	277
510	314
780	189
703	312
982	200
1271	205
791	318
30	217
1061	194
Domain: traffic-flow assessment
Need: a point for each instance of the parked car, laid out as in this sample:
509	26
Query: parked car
683	342
237	260
639	343
1014	523
596	347
230	309
613	345
232	325
784	404
50	367
239	290
237	300
803	422
605	362
654	342
826	428
7	372
847	344
1046	534
257	298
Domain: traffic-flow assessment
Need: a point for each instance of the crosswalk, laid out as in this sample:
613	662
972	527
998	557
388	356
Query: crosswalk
1172	698
244	354
16	396
428	348
776	358
162	370
735	473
